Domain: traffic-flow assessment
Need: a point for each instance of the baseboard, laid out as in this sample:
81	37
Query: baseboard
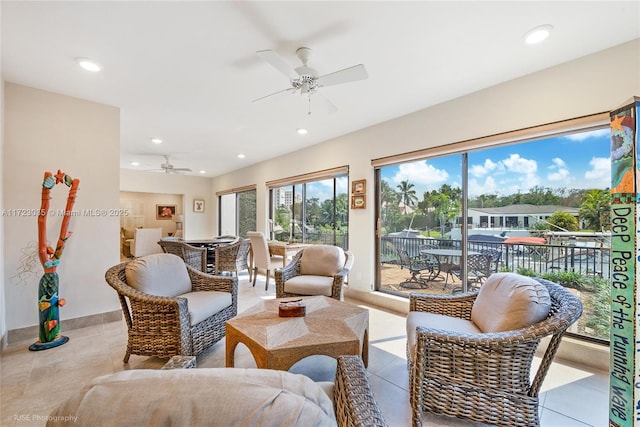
4	342
31	332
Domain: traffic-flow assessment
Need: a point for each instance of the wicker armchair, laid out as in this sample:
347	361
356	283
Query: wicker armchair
193	256
233	257
159	324
315	270
484	377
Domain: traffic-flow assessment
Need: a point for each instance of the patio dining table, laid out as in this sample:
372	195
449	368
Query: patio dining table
448	260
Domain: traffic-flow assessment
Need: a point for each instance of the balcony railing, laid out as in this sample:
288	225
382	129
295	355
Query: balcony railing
538	259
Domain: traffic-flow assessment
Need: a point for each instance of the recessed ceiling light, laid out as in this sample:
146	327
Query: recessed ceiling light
135	164
88	65
302	131
537	34
241	156
203	171
156	140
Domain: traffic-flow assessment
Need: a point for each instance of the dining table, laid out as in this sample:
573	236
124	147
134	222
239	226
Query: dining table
447	260
284	249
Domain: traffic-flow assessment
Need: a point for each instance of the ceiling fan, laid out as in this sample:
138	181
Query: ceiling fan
305	79
167	167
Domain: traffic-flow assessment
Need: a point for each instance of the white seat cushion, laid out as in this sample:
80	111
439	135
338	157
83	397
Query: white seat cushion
204	304
309	285
158	274
199	397
435	321
510	301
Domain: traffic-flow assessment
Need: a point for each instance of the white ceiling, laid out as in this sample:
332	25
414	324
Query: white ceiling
187	72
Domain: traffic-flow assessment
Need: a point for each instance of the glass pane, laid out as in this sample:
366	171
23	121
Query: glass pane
547	204
282	215
227	215
246	212
421	203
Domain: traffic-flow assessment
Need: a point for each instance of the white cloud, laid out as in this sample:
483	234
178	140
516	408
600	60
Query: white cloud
591	134
561	172
518	164
421	174
481	170
487	187
599	176
559	175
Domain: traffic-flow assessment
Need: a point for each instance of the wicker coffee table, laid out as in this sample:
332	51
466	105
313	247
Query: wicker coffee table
330	328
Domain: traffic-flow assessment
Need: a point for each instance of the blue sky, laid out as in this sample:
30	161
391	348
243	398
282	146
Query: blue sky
580	160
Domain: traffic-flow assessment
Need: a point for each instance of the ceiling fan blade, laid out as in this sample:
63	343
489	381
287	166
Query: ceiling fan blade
322	103
351	74
277	62
290	89
182	169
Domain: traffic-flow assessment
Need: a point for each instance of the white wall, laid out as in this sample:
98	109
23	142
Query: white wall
197	225
46	132
592	84
148	202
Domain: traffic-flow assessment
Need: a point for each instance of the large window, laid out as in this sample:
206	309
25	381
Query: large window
538	206
311	208
237	212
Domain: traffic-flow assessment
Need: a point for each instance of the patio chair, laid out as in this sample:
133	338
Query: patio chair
478	269
171	308
417	266
470	355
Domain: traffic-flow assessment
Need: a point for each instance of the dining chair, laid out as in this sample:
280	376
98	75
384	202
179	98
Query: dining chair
262	259
233	257
191	255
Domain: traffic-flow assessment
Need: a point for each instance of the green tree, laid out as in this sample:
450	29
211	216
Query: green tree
563	220
594	209
407	195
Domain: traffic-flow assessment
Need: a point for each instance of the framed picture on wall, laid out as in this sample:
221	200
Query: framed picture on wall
165	211
358	202
359	186
198	205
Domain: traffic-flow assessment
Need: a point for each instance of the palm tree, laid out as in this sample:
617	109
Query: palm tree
407	195
593	207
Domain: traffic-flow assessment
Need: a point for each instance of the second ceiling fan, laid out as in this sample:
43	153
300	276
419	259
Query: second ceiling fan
305	79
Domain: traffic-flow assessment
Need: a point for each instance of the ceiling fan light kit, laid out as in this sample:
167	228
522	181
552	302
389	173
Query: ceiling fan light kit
305	79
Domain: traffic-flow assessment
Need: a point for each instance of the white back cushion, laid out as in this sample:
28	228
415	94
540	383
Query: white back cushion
509	301
199	397
159	274
322	260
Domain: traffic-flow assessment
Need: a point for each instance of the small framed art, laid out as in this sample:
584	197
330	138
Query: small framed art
358	202
198	205
359	186
165	211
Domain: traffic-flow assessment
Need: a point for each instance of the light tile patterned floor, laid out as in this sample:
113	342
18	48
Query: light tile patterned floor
33	383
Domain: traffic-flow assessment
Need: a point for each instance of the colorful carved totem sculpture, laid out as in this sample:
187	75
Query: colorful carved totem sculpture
48	299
